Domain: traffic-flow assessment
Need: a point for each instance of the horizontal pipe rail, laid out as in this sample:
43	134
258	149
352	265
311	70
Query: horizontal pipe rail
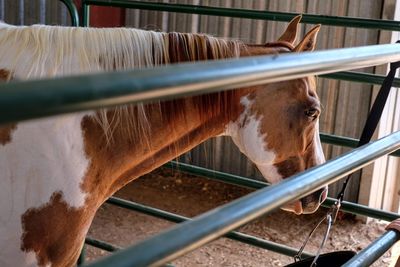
353	76
101	244
266	15
33	99
215	223
251	14
374	250
234	235
251	183
345	141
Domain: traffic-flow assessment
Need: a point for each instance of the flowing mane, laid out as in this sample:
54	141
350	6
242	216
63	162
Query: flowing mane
104	49
110	49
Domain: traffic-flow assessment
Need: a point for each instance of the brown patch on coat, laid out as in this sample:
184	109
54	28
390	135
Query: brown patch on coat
55	231
5	75
6	133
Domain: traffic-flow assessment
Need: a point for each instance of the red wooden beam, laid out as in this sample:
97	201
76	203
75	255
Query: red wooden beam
101	16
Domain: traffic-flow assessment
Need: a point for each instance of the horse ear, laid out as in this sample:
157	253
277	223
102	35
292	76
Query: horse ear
309	41
290	33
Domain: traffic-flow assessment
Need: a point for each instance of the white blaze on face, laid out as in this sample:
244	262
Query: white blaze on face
246	134
43	157
319	154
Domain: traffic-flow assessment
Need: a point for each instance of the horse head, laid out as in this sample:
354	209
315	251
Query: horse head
278	126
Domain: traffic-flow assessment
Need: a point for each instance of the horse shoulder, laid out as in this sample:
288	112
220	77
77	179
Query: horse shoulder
42	202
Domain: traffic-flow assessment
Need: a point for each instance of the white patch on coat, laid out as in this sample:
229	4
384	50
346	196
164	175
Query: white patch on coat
246	134
45	156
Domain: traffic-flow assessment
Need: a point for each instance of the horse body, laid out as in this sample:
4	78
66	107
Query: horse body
57	171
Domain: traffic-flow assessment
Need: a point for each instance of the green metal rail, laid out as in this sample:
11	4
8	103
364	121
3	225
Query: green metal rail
360	77
348	207
86	92
239	181
345	141
73	12
234	235
101	244
249	14
263	15
217	222
376	249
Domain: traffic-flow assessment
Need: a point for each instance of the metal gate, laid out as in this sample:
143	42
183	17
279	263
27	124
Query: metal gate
209	226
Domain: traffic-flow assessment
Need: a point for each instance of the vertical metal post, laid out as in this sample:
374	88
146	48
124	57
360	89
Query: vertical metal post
85	14
81	259
73	12
21	12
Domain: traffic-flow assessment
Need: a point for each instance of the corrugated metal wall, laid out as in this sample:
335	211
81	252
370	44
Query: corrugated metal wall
26	12
345	104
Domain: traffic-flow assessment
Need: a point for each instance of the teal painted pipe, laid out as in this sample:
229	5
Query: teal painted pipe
338	140
375	250
217	222
34	99
81	259
85	15
101	244
241	237
345	141
251	183
252	14
353	76
73	12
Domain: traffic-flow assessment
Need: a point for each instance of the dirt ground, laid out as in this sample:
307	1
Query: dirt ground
190	195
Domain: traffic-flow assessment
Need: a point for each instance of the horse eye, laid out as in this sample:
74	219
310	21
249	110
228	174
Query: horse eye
312	113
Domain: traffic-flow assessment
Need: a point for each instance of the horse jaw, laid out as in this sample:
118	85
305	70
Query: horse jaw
242	132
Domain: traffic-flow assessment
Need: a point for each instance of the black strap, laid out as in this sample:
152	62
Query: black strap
374	116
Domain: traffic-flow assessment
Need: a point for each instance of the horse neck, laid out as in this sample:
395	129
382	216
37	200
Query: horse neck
137	145
144	137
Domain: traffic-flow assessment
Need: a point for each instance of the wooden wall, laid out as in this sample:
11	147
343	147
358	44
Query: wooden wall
345	104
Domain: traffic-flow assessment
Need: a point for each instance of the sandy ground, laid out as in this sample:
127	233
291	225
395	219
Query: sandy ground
190	195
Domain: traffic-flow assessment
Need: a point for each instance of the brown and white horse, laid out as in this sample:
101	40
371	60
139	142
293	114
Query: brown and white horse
56	172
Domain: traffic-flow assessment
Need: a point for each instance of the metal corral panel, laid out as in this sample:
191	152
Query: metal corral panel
345	104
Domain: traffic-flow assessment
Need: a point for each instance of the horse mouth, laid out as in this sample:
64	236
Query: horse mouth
308	204
296	207
312	202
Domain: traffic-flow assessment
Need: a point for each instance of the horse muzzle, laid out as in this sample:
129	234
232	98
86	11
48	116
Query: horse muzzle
308	204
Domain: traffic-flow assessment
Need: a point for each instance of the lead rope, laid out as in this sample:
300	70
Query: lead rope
366	135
